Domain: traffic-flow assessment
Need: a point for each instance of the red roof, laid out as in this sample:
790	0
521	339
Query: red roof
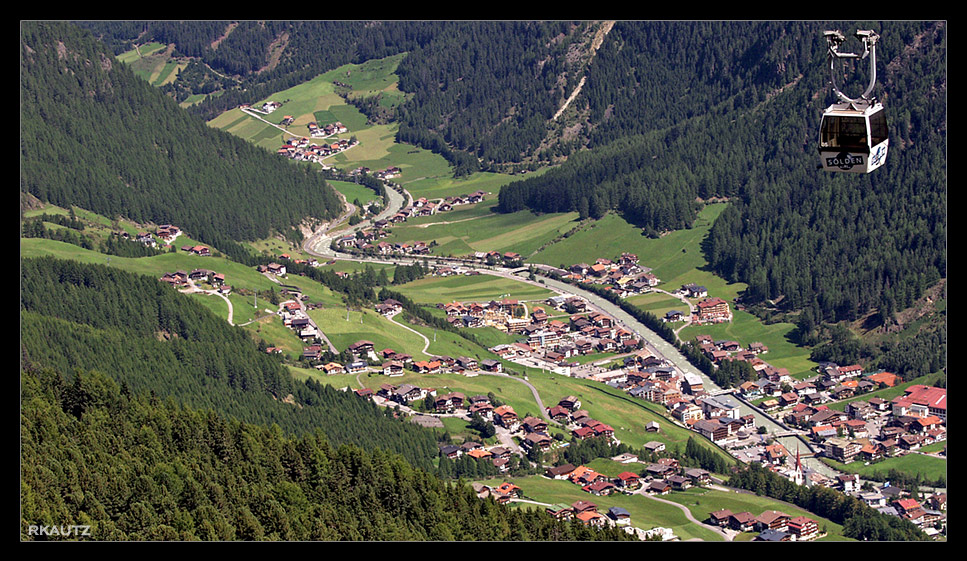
908	504
927	395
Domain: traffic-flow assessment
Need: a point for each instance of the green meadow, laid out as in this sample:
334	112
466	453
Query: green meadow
628	416
142	51
646	513
475	288
153	64
701	502
458	234
676	259
236	275
445	343
746	328
353	191
929	468
507	389
366	325
658	303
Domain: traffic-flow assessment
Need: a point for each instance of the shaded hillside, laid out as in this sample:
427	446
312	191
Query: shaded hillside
96	136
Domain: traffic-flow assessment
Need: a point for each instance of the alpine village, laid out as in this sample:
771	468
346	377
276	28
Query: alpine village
483	281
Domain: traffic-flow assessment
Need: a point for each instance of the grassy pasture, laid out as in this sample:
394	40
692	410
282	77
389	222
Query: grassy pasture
352	191
746	328
478	288
522	232
237	275
658	303
677	259
646	513
628	416
373	327
701	502
928	467
145	50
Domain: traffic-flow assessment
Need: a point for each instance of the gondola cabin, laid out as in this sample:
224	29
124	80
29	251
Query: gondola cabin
853	137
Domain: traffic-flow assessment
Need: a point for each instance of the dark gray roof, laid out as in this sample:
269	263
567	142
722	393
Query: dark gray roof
771	535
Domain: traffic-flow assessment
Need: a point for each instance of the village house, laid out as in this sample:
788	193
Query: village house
393	368
570	403
559	472
717	430
659	487
921	401
178	278
686	412
742	521
720	517
600	488
593	519
772	520
628	481
803	528
698	476
582	475
694	291
841	449
507	418
491	365
356	366
538	440
560	511
679	483
197	250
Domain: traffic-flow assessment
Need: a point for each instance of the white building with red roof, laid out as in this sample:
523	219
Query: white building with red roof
922	401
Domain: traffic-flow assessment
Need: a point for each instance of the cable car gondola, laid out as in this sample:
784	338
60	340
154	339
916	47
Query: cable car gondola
853	135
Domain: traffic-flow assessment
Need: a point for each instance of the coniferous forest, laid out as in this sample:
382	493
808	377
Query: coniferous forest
744	128
96	136
134	467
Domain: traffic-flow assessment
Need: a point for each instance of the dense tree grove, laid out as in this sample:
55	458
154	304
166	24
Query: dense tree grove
96	136
133	467
486	90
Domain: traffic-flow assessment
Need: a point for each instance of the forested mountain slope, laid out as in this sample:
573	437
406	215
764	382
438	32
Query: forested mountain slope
134	467
96	136
743	125
245	61
481	93
77	317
